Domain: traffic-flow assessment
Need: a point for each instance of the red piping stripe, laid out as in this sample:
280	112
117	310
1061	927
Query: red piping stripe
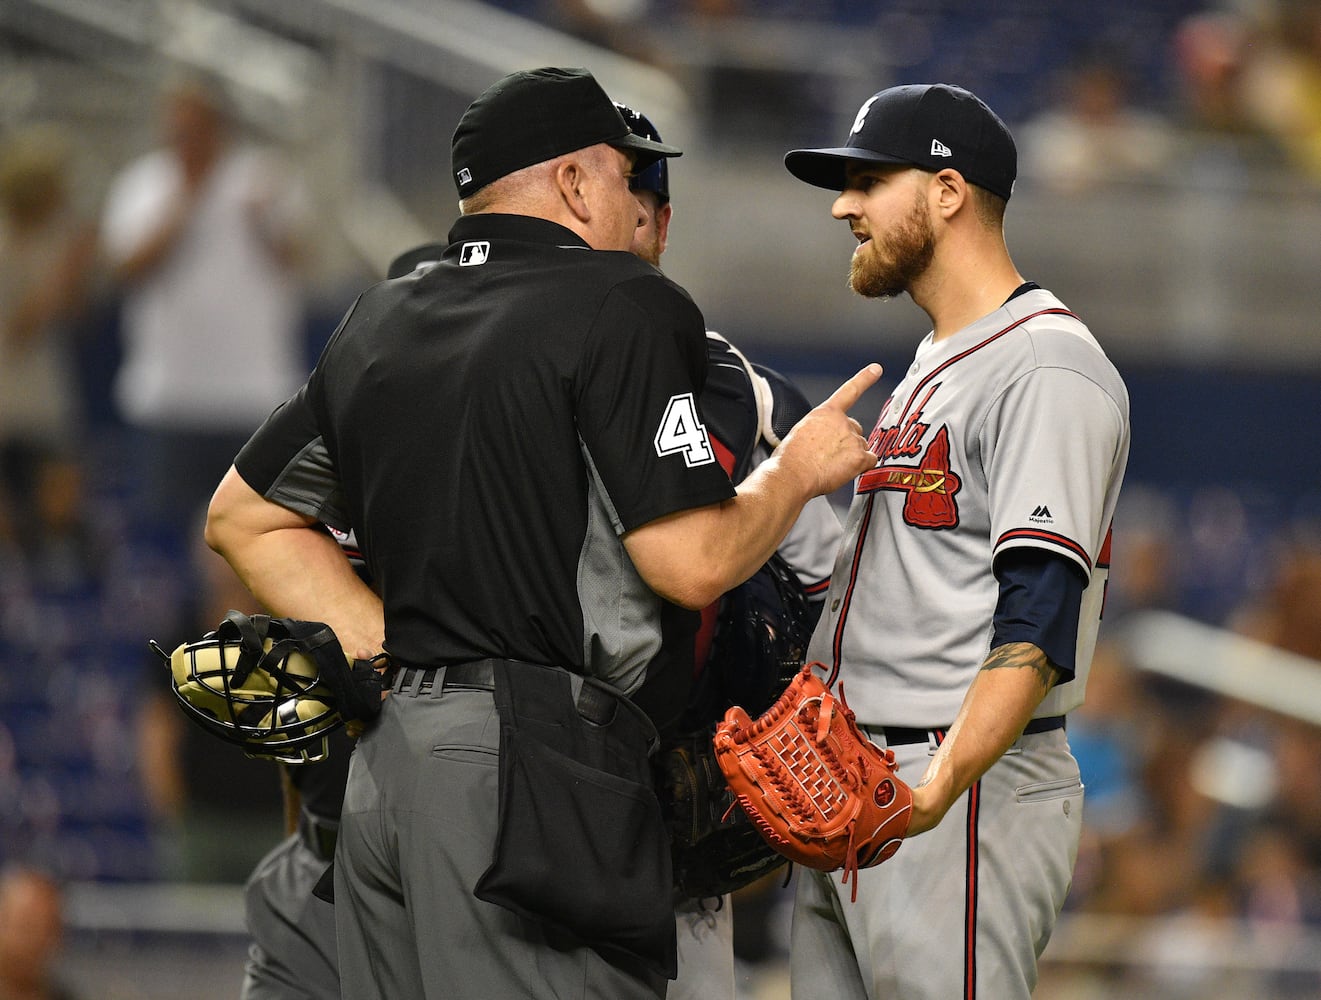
970	912
848	591
1047	536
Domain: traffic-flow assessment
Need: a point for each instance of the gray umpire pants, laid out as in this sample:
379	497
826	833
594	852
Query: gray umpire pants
416	833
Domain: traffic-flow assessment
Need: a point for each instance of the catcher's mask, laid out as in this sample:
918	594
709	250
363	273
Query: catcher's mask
255	682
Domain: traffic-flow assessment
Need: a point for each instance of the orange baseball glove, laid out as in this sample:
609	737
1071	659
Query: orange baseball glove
820	792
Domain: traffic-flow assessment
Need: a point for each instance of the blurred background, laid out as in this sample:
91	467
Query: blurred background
1169	192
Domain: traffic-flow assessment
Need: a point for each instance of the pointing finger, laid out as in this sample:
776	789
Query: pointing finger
851	391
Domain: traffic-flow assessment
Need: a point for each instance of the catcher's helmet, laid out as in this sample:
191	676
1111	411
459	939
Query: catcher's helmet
254	683
657	176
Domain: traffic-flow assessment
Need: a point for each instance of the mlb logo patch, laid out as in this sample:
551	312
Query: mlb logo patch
473	254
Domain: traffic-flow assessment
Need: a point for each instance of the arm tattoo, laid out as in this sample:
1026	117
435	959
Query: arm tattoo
1024	655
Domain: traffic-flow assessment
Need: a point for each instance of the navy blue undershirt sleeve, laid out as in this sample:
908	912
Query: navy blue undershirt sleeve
1040	599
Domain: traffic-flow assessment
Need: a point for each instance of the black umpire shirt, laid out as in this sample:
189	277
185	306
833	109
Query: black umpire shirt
489	425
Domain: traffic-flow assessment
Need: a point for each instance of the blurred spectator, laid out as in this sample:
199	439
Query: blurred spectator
206	236
1147	543
1282	86
216	811
1109	736
46	257
1286	616
1094	134
31	931
619	26
1212	52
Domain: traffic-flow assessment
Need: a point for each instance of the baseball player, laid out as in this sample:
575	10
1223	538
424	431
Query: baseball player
513	436
743	405
966	598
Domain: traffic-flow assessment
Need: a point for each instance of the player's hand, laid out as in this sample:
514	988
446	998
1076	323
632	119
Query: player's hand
828	446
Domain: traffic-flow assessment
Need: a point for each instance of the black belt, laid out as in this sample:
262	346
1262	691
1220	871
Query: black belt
898	736
594	704
318	834
479	674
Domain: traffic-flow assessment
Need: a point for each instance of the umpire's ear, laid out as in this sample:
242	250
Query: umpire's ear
572	181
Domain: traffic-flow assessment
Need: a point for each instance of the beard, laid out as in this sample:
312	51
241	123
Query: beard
890	264
649	251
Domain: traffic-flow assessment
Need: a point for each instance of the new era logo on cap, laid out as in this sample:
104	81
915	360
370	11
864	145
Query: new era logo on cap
938	148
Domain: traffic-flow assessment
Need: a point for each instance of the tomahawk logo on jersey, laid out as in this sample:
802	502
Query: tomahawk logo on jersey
931	484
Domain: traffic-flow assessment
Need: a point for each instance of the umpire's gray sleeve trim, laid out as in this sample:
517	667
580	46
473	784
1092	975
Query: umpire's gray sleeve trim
308	485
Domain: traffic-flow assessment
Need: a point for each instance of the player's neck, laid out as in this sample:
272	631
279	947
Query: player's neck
962	288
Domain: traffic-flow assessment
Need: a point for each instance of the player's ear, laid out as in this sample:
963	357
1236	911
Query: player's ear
663	216
949	191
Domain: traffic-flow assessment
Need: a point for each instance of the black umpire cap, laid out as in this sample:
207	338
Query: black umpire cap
536	115
932	126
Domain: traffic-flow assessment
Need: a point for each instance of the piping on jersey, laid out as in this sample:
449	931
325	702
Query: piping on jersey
1047	536
835	645
970	901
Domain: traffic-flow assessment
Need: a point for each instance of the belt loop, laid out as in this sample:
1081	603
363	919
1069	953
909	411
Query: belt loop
430	680
409	681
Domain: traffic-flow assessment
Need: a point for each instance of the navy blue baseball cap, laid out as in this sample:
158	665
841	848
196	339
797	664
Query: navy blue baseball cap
932	126
657	176
536	115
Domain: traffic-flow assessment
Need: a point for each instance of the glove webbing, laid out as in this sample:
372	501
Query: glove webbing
813	787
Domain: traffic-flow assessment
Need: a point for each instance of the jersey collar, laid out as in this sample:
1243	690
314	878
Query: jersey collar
524	228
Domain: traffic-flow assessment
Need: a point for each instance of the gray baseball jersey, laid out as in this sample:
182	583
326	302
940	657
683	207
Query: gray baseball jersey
1013	432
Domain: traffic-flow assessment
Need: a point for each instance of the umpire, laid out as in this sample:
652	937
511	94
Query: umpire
513	435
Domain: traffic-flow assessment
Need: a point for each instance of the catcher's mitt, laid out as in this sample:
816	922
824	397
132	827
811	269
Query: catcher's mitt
762	631
820	792
274	686
714	848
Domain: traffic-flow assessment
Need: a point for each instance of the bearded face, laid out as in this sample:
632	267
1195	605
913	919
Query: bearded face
888	263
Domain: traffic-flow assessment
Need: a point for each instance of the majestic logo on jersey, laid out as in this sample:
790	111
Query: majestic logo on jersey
682	432
930	484
1041	515
938	148
473	254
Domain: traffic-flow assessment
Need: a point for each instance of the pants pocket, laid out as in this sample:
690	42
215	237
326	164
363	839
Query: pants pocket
1044	791
582	849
